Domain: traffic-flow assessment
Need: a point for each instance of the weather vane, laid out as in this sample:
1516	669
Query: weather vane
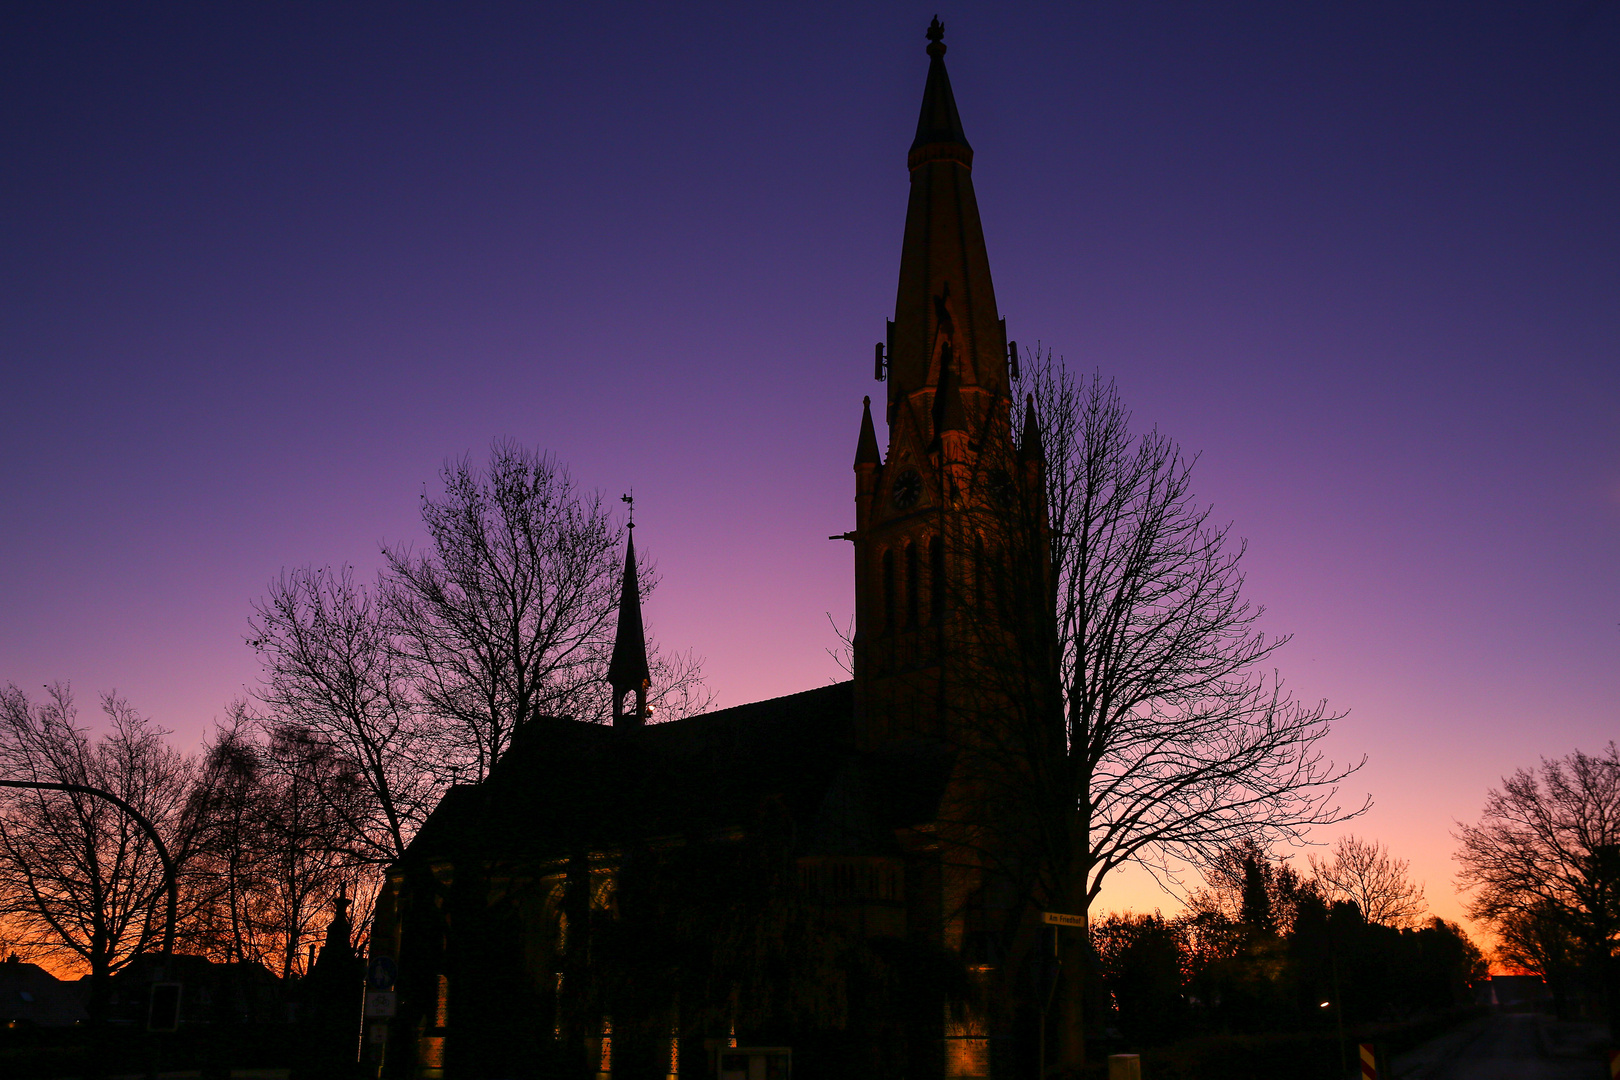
630	501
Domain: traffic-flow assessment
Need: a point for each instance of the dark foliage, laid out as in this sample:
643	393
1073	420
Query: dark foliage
1261	951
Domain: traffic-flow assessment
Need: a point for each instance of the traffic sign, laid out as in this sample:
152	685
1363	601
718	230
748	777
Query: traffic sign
1057	918
381	973
379	1004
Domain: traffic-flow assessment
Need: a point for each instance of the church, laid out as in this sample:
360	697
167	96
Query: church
807	885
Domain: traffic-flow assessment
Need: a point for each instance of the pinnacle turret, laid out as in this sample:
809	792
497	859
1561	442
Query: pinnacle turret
1032	447
866	448
949	415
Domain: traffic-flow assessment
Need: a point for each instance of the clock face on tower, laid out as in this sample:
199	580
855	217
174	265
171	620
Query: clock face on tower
907	489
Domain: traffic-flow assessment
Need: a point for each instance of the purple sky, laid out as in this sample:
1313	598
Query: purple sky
263	270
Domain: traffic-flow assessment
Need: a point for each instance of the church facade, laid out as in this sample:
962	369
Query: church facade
805	884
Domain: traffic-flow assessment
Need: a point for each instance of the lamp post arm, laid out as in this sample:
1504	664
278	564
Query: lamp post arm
140	819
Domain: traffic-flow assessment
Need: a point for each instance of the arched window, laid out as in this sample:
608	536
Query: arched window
936	579
912	582
888	591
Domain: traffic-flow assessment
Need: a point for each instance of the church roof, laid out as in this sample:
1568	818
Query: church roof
566	786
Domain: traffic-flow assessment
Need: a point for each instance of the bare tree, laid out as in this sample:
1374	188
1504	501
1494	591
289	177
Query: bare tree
509	612
304	789
1540	941
79	878
1363	872
333	669
224	879
1125	714
1544	861
280	801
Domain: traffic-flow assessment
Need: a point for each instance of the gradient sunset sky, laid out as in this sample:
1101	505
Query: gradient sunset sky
264	269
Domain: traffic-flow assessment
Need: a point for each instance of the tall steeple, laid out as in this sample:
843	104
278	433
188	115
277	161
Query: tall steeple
926	509
945	307
628	671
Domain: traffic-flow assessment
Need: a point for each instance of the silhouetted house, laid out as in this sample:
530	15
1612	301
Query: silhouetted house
32	996
652	900
211	993
1513	988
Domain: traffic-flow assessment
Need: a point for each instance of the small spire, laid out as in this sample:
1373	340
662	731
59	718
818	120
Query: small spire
336	944
1032	448
628	671
866	450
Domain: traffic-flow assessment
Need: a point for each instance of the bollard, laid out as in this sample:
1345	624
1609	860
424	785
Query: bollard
1369	1062
1124	1067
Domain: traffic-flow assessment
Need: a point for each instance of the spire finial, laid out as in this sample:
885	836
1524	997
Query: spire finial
939	128
630	501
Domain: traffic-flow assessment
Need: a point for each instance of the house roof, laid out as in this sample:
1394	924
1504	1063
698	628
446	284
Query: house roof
33	995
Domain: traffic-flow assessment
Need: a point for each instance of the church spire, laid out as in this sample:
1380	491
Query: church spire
945	316
628	671
939	128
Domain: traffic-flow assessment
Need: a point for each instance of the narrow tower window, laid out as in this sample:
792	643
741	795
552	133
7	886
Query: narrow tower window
888	591
980	594
936	579
911	584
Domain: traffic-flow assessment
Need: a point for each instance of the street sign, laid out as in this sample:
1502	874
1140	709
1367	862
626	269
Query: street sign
1056	918
163	1013
379	1004
380	974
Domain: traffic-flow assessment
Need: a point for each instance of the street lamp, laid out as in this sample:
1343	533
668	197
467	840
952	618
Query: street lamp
140	819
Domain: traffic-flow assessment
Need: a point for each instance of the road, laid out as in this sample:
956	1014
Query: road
1509	1046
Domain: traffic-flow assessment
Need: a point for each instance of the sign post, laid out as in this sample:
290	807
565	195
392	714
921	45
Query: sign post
1054	919
380	1005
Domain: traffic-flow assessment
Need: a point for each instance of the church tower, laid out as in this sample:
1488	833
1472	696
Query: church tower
923	507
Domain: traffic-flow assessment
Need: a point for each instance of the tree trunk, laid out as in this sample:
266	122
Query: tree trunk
1070	1005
